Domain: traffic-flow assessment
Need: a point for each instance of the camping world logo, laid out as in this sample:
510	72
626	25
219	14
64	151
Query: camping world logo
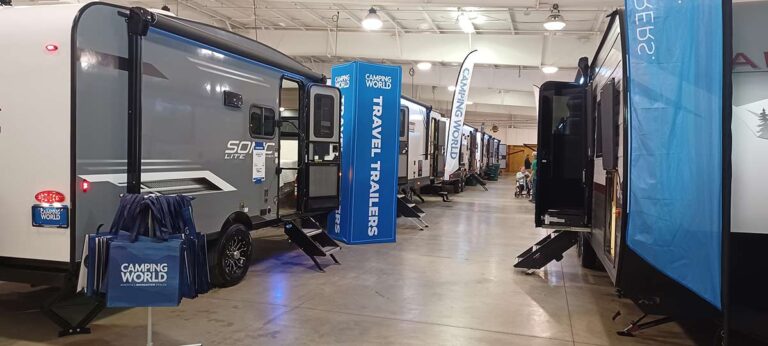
341	82
144	274
377	81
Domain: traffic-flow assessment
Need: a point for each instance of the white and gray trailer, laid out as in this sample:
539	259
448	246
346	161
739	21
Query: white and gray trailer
104	100
414	167
438	133
422	146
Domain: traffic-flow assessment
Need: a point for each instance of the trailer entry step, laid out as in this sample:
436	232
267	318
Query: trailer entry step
310	237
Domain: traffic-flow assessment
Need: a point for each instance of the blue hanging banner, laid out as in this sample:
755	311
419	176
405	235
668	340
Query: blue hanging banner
370	119
675	67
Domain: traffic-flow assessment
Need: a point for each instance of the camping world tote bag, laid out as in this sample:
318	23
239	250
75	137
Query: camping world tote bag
144	273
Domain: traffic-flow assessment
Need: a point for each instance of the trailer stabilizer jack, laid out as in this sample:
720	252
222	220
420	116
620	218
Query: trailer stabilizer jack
635	326
67	327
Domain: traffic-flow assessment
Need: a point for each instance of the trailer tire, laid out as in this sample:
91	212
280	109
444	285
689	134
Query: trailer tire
589	258
232	256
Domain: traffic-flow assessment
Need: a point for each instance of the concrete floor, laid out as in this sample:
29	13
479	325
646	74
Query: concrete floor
452	284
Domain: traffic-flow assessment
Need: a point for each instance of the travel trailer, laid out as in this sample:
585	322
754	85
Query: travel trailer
678	248
422	147
141	102
438	132
416	171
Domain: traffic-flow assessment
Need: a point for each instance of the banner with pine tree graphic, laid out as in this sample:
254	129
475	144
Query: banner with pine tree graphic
762	125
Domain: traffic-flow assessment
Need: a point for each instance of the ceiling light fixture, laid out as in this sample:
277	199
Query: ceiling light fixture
465	23
424	65
555	21
549	69
372	21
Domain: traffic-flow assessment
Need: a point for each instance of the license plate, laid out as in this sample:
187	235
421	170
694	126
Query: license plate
43	216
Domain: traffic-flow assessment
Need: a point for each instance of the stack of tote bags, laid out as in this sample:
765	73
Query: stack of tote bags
151	256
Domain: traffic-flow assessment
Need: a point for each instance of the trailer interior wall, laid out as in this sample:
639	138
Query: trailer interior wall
34	127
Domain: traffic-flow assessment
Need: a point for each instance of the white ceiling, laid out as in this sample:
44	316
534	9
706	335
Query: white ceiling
510	38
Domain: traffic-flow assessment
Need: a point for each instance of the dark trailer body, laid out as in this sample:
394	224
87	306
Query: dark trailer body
592	140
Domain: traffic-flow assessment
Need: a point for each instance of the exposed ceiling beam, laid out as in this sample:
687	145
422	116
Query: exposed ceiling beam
511	17
442	31
383	12
515	4
211	13
289	20
599	20
349	14
429	20
313	15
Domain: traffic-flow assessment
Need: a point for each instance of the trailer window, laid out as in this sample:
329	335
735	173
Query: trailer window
261	122
324	117
403	121
598	132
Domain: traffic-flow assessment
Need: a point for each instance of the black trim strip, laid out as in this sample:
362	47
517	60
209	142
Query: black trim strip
727	102
119	63
618	13
139	20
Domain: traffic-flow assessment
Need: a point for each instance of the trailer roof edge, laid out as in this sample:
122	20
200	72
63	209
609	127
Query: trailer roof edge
248	48
410	99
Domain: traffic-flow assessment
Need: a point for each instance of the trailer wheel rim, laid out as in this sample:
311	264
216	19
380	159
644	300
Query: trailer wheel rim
236	254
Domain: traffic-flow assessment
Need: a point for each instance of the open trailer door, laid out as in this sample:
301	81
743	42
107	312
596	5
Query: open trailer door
562	172
319	185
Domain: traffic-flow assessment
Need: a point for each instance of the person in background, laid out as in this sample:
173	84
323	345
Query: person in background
527	164
533	177
522	181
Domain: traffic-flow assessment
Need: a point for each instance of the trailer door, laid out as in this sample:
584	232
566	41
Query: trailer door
440	131
320	171
561	176
402	164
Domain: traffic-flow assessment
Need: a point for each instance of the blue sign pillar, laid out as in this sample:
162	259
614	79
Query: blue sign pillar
370	119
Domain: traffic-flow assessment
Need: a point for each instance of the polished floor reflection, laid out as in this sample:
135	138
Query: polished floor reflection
452	284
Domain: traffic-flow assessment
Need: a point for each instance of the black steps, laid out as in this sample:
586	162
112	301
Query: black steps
476	179
549	248
310	237
408	209
416	193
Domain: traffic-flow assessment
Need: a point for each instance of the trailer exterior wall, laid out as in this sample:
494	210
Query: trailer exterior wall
192	142
750	119
607	194
34	127
418	163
